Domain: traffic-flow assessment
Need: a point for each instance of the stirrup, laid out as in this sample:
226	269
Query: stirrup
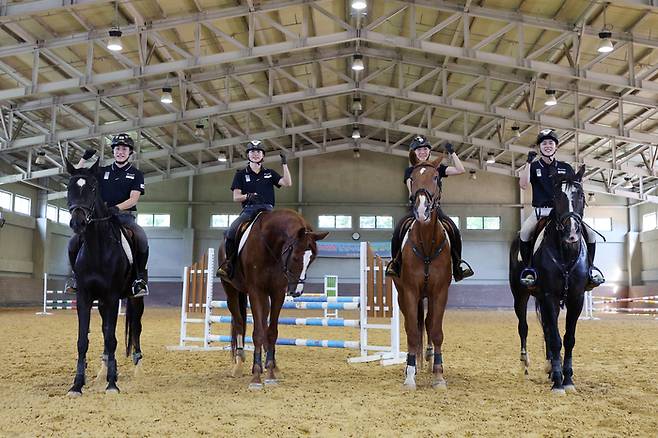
392	270
71	286
223	272
528	277
468	272
139	288
595	279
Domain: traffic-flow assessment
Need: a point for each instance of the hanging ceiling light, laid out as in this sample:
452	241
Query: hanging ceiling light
166	95
41	158
356	134
357	105
628	184
359	4
516	129
491	159
605	46
357	153
591	198
357	62
472	174
114	42
199	130
222	157
550	100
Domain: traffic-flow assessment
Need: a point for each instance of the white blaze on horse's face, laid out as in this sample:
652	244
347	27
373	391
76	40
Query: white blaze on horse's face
81	182
569	190
302	276
422	208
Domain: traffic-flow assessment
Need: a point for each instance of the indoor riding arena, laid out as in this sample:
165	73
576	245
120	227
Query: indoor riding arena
143	144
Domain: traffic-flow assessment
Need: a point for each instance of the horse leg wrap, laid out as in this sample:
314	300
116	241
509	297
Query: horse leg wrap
438	359
239	342
258	363
269	358
411	360
137	357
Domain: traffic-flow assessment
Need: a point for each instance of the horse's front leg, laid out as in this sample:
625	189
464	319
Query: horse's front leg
550	313
272	335
83	309
574	307
260	310
520	308
110	316
408	302
435	311
236	301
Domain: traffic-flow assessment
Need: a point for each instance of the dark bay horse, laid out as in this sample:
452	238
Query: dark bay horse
103	273
275	259
561	265
426	272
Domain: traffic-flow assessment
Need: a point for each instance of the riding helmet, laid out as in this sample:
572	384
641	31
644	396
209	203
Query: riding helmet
419	142
255	145
123	140
547	134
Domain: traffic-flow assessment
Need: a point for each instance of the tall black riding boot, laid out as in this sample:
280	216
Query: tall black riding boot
225	270
140	285
595	275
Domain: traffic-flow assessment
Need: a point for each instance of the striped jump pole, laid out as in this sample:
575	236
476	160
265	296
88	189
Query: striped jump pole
64	301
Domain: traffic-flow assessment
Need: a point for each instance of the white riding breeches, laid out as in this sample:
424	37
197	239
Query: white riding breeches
530	223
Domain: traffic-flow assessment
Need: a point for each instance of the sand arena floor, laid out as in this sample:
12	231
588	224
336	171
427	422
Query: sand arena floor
191	393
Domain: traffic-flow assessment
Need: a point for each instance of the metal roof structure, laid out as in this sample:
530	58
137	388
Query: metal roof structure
475	73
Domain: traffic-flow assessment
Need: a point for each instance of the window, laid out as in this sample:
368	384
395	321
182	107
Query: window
154	220
455	219
372	222
649	221
483	223
5	200
222	220
51	212
64	216
337	221
599	223
22	204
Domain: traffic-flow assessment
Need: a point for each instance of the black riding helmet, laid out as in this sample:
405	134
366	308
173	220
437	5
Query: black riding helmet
419	142
123	140
255	145
547	134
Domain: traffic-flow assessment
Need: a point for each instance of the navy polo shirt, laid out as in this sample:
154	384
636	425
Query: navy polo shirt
442	172
542	185
262	183
117	183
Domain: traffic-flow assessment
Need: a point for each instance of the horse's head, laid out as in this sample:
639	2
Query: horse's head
82	196
425	187
569	200
299	251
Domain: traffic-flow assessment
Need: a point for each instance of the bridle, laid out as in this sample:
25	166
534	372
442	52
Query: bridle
285	257
433	198
87	210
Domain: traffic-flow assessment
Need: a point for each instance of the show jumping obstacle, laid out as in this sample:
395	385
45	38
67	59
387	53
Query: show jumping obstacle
61	300
377	299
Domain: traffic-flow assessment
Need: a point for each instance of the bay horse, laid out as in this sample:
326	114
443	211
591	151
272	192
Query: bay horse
562	273
274	260
426	272
103	273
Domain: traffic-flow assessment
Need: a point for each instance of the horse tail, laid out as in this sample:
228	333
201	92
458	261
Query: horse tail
421	331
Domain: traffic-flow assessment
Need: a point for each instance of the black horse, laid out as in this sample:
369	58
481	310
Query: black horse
103	273
561	265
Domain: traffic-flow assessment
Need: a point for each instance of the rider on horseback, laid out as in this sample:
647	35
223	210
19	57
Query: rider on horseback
252	186
422	148
121	185
536	173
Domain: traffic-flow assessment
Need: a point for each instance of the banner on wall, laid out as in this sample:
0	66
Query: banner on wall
351	249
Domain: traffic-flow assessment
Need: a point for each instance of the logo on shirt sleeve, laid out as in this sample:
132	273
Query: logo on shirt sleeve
247	178
141	186
539	173
107	175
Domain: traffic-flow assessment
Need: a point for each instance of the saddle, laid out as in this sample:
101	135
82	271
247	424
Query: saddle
404	228
538	235
243	231
129	245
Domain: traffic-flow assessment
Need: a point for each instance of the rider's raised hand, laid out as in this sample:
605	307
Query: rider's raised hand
284	158
531	156
88	154
450	149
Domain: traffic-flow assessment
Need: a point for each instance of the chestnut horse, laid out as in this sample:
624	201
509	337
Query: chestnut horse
275	259
426	272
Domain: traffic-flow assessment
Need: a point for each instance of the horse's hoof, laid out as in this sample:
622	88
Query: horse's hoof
570	388
441	385
255	386
271	382
409	386
74	394
558	391
139	369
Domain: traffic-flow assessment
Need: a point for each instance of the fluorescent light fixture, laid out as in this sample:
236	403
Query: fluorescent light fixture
357	105
199	130
114	43
359	4
166	95
491	159
357	153
472	174
550	100
355	133
516	129
628	184
41	158
222	157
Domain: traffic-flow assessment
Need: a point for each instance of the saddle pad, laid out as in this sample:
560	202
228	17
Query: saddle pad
126	248
538	240
245	235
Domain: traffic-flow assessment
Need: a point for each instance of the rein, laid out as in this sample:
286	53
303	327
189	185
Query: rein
280	258
427	259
